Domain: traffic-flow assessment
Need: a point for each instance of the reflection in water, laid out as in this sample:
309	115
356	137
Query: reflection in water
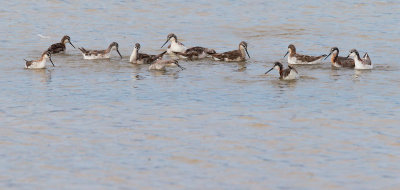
359	73
44	74
241	67
284	84
171	73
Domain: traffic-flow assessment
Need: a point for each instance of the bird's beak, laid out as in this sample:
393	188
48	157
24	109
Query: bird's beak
328	55
286	54
180	66
165	43
119	53
51	61
269	70
348	56
71	44
247	52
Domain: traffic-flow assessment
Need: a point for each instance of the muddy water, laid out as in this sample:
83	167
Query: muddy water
112	125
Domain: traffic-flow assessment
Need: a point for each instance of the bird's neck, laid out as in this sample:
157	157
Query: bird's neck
134	55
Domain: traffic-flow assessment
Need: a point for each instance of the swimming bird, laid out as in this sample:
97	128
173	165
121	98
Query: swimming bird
100	54
338	61
285	74
360	63
160	65
235	55
195	53
295	58
175	45
60	47
141	58
40	63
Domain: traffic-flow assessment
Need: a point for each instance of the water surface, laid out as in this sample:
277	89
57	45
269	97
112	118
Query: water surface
98	125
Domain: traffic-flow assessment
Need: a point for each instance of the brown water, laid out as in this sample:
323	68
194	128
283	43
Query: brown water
95	125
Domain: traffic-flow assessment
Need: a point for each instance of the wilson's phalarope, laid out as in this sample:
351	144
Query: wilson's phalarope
235	55
360	63
175	45
39	64
195	53
100	54
60	47
141	58
285	74
161	64
295	58
338	61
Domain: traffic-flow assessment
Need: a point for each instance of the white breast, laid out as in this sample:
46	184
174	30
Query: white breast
292	75
359	64
175	47
37	65
336	65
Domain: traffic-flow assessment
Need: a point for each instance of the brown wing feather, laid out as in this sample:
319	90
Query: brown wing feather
345	62
143	56
291	67
307	58
285	72
83	50
56	48
92	52
190	55
197	49
230	55
28	63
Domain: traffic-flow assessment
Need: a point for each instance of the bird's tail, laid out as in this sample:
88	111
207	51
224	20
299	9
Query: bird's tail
83	50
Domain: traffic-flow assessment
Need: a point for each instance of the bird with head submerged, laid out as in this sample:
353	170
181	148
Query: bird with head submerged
40	63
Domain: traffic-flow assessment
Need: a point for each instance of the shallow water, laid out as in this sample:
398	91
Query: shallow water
109	124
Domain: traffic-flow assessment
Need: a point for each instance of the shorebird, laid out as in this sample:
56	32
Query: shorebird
39	64
285	74
175	45
60	47
360	63
235	55
338	61
161	64
295	58
141	58
100	54
195	53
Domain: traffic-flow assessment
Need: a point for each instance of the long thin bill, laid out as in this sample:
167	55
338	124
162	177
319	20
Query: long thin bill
286	54
328	55
72	45
164	43
269	70
119	54
180	66
51	61
247	52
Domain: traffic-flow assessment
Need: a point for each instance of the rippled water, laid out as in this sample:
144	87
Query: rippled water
96	125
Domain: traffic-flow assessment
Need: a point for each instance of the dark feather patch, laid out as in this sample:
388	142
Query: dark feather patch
56	48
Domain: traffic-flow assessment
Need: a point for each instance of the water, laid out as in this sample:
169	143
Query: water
96	125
